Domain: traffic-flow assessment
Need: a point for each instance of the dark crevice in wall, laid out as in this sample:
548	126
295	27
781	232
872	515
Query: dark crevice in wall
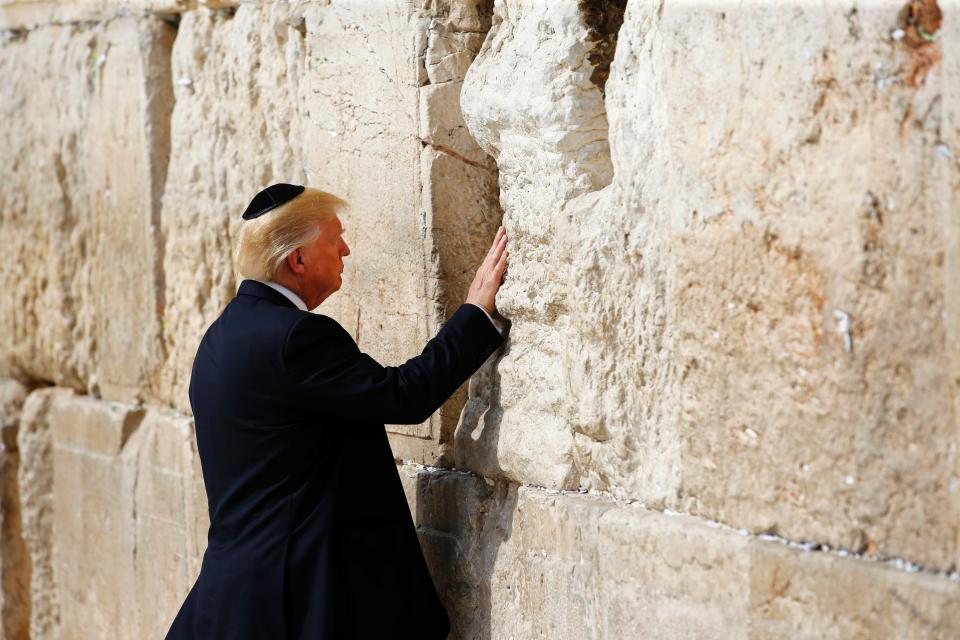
159	109
14	557
603	19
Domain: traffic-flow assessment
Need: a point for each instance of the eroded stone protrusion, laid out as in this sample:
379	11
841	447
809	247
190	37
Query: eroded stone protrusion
547	129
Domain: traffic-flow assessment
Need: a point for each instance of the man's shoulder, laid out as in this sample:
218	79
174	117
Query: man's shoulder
309	325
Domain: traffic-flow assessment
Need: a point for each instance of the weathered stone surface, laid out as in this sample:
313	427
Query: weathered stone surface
547	130
749	321
45	224
815	595
26	14
14	559
80	205
35	480
339	97
126	164
128	528
521	562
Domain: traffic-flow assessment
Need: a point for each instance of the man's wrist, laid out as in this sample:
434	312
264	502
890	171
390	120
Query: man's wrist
497	325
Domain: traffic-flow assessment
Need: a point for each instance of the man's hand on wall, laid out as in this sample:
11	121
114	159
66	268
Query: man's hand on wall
486	283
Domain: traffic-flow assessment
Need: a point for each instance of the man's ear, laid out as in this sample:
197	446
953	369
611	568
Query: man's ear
295	261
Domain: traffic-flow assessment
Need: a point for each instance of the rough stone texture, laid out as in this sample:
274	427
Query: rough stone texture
521	562
80	204
25	14
736	307
357	99
35	480
126	164
130	522
14	559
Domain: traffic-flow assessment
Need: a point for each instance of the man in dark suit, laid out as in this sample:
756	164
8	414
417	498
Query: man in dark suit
310	532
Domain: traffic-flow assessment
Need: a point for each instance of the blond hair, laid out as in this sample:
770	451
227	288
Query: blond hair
265	241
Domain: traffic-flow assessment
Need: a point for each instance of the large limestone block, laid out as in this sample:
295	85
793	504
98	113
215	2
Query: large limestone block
93	516
347	97
46	220
750	321
127	153
80	203
524	562
129	531
547	129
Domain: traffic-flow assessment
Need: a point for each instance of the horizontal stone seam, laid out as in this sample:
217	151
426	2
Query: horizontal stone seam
10	32
894	562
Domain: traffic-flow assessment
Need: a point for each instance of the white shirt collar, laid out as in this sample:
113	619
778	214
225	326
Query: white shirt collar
294	298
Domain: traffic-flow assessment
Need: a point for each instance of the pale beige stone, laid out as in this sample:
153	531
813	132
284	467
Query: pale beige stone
521	562
127	154
46	222
686	327
82	194
547	129
816	595
127	517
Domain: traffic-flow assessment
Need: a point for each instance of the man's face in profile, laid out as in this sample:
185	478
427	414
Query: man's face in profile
323	259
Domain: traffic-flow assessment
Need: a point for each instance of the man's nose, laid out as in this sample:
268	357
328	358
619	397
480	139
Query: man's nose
346	249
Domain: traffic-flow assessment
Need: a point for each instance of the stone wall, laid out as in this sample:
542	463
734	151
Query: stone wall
728	403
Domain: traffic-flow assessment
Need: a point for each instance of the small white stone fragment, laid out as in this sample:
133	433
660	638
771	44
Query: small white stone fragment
750	432
843	327
849	479
184	81
943	151
805	467
731	306
897	34
101	59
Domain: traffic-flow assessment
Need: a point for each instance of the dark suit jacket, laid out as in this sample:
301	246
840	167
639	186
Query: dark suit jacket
310	532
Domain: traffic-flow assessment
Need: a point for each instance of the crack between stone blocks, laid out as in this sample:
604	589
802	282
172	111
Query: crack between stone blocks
894	562
135	530
450	152
90	22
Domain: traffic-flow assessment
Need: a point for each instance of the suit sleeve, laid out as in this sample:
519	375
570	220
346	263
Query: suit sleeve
327	368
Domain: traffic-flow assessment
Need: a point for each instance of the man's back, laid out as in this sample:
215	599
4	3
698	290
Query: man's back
287	409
